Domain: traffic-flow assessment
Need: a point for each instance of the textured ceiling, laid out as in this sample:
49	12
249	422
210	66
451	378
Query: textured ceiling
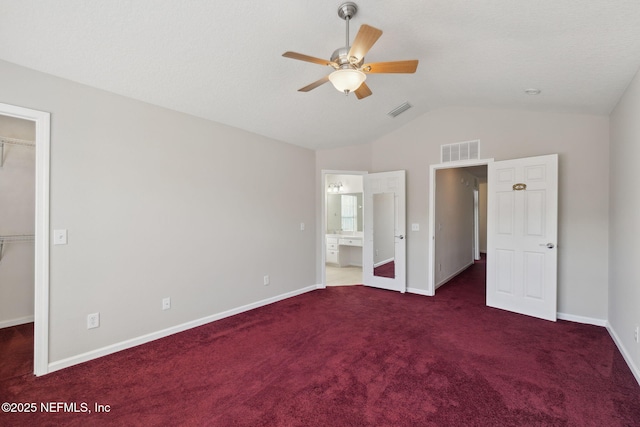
222	60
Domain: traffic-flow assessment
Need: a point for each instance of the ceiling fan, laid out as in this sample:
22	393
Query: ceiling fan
350	70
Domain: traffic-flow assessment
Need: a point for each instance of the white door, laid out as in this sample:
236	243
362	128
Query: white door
522	213
384	246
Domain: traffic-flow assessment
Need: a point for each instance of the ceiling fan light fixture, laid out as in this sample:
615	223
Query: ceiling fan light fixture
347	79
348	61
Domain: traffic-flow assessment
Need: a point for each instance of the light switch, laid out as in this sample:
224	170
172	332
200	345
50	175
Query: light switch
59	237
415	227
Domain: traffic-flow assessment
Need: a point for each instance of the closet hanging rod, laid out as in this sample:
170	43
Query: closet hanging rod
16	141
14	238
17	238
13	141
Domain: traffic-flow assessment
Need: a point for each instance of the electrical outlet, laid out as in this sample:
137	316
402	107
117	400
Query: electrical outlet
302	226
166	303
266	280
636	334
93	320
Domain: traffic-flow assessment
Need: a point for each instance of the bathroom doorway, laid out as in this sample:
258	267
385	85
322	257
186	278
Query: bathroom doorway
342	227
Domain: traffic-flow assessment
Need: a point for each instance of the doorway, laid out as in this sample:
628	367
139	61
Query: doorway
342	228
383	215
17	219
522	225
457	219
41	123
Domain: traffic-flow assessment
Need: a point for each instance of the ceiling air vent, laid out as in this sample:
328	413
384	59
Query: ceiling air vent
399	109
457	151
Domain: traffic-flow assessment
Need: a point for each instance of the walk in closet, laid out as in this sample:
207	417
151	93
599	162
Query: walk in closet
17	220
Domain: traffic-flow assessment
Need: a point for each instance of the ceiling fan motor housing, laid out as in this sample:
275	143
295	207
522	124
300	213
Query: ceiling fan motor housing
341	57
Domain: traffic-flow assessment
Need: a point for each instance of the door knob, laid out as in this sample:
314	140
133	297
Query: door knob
548	245
400	237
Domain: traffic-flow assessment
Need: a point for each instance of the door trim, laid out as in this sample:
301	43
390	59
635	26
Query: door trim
476	224
431	291
41	305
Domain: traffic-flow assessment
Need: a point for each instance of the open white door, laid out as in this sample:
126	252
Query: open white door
522	230
384	246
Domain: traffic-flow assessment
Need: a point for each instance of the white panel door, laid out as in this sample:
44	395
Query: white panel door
384	245
522	230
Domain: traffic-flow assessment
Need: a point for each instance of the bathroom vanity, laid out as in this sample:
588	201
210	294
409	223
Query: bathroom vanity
344	250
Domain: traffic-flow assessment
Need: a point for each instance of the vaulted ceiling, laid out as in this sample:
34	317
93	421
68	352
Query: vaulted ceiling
223	60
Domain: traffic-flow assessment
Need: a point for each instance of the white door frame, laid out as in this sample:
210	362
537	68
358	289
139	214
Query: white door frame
323	216
431	290
41	304
476	223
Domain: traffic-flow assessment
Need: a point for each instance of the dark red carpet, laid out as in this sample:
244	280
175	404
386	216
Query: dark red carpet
385	270
353	356
16	351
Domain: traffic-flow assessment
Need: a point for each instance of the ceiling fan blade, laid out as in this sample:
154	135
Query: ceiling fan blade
365	38
307	58
363	91
409	66
314	85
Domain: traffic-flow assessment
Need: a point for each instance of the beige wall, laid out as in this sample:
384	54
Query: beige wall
624	275
582	142
161	204
17	217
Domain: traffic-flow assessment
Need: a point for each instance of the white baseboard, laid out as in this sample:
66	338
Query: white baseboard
605	323
419	292
452	275
15	322
134	342
625	354
581	319
383	262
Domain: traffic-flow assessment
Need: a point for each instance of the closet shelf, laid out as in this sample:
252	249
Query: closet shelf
14	238
13	141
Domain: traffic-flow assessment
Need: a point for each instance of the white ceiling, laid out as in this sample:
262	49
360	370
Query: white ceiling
222	60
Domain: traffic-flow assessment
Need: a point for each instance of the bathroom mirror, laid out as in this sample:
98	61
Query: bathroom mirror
384	235
344	212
